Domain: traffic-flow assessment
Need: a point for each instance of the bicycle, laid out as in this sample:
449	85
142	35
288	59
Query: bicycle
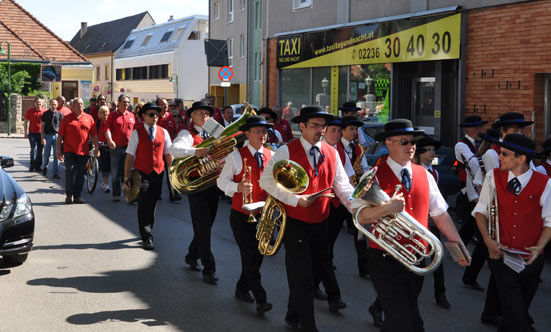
91	171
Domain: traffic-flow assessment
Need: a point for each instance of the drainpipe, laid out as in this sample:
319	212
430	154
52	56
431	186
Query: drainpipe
266	62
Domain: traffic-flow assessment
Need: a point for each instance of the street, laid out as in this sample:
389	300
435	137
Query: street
88	272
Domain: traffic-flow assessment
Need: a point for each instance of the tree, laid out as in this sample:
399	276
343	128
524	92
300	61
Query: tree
18	81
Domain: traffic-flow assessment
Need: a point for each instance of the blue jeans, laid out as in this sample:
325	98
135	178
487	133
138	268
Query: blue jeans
50	142
36	151
75	165
118	156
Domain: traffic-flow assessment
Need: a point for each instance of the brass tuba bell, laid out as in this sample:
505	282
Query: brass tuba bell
291	177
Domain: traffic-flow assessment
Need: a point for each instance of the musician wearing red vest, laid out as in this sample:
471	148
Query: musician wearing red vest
306	236
547	153
204	204
524	224
274	136
424	155
148	151
236	181
397	287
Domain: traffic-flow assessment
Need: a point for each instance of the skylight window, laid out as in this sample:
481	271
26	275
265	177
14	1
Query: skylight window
166	36
128	44
146	40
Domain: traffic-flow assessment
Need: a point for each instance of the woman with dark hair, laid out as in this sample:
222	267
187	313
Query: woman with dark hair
104	158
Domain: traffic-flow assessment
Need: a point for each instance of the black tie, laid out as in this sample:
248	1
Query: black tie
204	134
313	151
406	179
514	186
353	150
151	134
259	159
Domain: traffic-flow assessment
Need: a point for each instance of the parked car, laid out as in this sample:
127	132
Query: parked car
237	108
16	218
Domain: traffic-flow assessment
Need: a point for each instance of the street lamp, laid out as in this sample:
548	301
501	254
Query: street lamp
324	84
174	78
2	52
368	81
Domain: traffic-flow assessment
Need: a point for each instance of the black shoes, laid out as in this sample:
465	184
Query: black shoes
377	316
336	305
69	199
148	244
494	320
476	286
263	307
294	324
365	275
193	264
210	278
175	198
442	301
56	176
78	200
319	295
44	171
245	297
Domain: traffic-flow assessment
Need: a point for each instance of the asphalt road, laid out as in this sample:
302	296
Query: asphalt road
87	272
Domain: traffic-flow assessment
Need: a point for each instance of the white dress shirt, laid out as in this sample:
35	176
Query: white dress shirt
183	143
490	159
350	153
234	165
461	149
341	184
437	203
134	139
489	187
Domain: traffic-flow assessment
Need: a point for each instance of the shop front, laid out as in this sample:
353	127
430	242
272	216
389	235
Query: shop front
401	67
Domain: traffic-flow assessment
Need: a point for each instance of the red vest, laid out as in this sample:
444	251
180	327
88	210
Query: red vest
319	210
520	222
149	155
417	200
342	154
258	193
196	138
547	168
357	151
461	171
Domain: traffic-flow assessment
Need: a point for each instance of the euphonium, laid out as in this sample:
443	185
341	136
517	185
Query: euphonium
192	174
248	198
387	231
358	164
291	177
493	220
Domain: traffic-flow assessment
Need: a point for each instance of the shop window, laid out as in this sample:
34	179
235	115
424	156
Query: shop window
295	88
321	87
370	86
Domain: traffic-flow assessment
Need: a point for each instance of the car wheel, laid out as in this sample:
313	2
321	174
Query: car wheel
15	259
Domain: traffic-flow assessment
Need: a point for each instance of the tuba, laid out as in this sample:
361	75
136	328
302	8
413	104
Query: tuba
387	231
358	164
192	174
291	177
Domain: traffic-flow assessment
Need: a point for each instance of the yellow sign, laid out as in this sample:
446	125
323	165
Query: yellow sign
334	90
437	114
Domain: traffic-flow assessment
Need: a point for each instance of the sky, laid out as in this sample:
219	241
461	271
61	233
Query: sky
63	17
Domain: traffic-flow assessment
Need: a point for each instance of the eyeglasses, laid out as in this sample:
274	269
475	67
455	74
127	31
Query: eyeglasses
317	125
404	141
152	114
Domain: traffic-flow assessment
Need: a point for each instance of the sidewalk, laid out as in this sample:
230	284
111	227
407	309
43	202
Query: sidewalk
13	135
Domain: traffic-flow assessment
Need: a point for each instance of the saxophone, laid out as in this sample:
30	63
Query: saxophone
358	164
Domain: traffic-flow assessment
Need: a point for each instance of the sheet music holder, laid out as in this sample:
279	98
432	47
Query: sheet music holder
457	250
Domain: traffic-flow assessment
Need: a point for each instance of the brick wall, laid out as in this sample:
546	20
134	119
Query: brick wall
273	73
513	42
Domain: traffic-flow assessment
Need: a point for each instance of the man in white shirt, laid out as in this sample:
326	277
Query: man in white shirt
227	116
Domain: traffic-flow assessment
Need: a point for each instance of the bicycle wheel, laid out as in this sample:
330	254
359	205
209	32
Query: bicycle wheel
92	174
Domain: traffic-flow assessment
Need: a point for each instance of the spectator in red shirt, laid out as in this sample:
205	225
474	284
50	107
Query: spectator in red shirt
166	120
118	128
61	106
282	125
217	112
33	121
104	157
92	109
288	113
75	132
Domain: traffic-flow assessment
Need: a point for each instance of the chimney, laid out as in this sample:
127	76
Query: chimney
171	18
83	28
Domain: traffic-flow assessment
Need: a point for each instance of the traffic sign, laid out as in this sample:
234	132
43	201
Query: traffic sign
225	73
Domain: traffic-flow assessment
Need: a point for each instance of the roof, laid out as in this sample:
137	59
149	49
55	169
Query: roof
107	36
174	31
30	40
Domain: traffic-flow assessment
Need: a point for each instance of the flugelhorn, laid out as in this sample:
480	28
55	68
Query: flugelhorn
387	231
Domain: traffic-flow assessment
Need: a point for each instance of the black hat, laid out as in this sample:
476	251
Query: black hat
519	143
267	110
547	146
512	118
491	135
336	122
149	106
200	105
255	121
424	142
472	121
351	121
349	106
312	111
397	127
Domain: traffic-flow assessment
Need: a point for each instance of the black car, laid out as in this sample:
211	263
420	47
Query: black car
16	218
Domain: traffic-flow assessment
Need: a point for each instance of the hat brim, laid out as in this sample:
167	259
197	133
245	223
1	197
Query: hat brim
302	118
349	109
143	110
508	146
356	123
490	138
500	124
272	114
478	124
436	145
246	126
208	108
386	134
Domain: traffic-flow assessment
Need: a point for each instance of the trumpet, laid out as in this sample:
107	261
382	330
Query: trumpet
493	220
387	231
248	198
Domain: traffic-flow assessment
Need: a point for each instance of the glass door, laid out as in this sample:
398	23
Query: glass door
423	101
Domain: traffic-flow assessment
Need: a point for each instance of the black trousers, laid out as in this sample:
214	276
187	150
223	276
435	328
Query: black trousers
337	216
306	253
150	190
75	166
516	291
397	291
244	233
480	253
203	207
439	285
35	141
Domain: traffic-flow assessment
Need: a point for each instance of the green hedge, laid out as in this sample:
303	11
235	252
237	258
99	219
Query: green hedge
32	83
